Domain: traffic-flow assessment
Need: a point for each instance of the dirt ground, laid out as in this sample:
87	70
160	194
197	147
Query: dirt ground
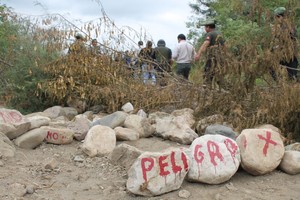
78	177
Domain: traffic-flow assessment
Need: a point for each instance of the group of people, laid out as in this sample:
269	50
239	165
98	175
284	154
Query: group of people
154	61
79	46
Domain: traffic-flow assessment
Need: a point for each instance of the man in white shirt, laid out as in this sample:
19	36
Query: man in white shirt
183	54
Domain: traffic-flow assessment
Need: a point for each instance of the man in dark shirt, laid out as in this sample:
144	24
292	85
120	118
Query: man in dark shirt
213	45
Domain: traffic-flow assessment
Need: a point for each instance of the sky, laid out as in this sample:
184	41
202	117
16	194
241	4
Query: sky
162	19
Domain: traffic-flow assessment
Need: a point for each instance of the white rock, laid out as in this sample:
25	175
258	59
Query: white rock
128	107
100	140
37	121
124	155
31	139
291	162
154	174
215	159
187	114
175	129
54	112
142	113
126	134
139	124
261	150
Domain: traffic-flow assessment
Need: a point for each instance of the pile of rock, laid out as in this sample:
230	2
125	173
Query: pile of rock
213	156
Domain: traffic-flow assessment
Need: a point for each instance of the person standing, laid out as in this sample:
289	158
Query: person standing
285	43
183	54
147	57
163	60
213	44
78	47
95	48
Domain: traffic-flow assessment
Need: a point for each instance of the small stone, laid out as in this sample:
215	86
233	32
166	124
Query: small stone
231	187
1	164
78	159
30	189
51	165
184	194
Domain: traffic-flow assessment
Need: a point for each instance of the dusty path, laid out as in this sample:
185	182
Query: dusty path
97	179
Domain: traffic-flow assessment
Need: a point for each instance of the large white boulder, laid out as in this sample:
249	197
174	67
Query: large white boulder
215	159
261	150
156	173
100	140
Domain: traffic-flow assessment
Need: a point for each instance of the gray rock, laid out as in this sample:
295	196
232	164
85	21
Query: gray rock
113	120
184	194
291	162
221	130
124	155
31	139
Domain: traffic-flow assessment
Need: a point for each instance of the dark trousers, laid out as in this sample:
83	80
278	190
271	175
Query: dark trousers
291	69
183	69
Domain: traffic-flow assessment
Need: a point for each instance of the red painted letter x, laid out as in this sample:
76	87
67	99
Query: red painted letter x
268	141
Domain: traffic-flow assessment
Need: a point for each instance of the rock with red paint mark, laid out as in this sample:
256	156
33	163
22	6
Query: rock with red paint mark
124	155
291	162
141	125
32	138
176	129
13	123
38	121
58	135
215	159
156	173
80	125
261	150
273	128
7	149
126	134
100	140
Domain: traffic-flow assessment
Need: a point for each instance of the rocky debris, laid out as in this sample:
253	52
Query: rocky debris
113	120
142	113
187	114
215	159
261	150
128	107
70	112
175	129
293	147
7	149
58	135
184	194
78	104
156	173
126	134
31	139
221	130
290	163
100	140
17	190
124	155
37	121
13	123
139	124
202	124
51	165
81	125
54	112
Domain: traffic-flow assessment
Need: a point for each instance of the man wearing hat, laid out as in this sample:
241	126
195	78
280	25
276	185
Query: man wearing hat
78	47
212	44
285	39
